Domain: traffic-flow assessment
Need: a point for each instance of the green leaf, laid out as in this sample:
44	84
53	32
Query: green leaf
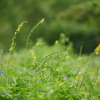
3	98
88	80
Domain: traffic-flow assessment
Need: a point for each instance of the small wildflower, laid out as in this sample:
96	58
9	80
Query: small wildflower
80	58
19	27
9	55
11	48
12	44
78	76
83	68
32	52
67	56
46	64
97	50
34	58
57	69
18	70
1	72
33	79
42	20
37	44
44	69
56	42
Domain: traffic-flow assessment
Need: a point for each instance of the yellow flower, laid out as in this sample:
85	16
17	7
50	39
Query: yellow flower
33	79
9	55
19	27
57	69
97	50
46	64
32	52
37	44
80	58
44	69
11	48
42	20
56	42
67	56
78	76
12	44
34	58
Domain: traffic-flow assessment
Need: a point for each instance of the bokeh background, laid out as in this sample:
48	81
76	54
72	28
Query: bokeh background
79	20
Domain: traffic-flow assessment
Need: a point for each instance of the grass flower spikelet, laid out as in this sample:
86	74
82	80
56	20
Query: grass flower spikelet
20	26
14	37
33	57
29	35
42	20
11	49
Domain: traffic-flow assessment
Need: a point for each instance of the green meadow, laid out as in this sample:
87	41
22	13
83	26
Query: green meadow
43	72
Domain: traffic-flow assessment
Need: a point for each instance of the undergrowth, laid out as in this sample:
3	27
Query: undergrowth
48	72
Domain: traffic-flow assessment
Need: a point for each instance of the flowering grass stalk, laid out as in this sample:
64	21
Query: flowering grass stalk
11	49
29	35
13	39
53	74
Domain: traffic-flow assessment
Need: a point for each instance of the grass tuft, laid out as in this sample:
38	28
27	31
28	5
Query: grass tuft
48	72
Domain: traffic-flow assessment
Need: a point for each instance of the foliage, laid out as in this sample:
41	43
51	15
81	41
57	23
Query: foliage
45	72
53	74
81	23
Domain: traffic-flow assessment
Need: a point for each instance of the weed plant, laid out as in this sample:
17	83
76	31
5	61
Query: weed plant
48	72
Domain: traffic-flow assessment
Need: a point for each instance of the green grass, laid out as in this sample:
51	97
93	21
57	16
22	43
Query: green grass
49	73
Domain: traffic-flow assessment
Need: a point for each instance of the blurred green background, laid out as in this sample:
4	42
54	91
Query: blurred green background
77	19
